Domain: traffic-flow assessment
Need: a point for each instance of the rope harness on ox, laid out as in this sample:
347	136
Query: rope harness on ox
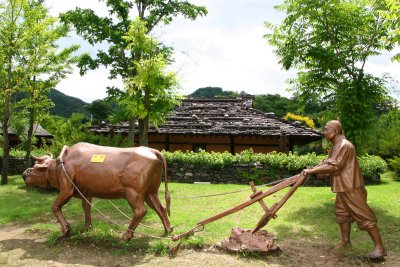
61	162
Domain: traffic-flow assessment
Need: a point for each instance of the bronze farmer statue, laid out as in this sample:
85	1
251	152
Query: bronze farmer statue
348	184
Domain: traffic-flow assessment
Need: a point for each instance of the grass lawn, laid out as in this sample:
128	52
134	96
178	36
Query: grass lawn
308	214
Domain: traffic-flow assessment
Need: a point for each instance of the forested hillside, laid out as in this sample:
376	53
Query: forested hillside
65	105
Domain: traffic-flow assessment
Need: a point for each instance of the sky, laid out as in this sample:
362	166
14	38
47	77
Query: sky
224	49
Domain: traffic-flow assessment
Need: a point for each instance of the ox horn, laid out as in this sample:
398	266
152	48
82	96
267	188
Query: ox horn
36	158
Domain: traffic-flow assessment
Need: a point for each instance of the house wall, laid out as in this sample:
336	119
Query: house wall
216	143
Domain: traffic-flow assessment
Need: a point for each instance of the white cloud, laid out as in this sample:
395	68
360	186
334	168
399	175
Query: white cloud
226	48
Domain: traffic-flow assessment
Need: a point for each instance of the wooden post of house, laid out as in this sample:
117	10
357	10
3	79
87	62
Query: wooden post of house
284	143
232	138
167	141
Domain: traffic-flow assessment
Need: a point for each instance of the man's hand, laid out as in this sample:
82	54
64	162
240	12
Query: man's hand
307	172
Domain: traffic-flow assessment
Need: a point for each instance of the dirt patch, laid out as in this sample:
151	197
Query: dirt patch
19	247
243	240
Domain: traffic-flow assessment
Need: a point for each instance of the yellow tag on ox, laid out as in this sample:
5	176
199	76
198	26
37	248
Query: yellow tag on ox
98	158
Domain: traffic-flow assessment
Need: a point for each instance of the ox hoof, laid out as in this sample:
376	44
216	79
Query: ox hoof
67	232
169	230
126	237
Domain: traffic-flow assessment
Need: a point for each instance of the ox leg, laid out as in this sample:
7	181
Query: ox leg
154	202
86	205
60	201
136	202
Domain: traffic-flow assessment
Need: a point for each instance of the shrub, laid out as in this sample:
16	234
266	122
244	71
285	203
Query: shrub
304	119
371	166
394	164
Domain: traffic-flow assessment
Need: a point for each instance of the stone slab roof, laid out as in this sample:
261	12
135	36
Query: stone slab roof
232	116
38	131
224	116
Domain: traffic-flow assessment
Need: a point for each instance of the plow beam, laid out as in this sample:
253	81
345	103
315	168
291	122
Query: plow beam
275	188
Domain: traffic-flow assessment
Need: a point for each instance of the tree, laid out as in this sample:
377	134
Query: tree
152	92
275	103
112	29
30	65
385	139
16	20
212	92
99	110
329	42
393	16
47	66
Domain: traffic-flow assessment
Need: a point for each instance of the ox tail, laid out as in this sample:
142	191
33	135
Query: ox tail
167	195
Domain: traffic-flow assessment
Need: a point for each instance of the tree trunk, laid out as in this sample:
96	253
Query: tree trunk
6	119
29	139
143	139
144	123
6	143
132	129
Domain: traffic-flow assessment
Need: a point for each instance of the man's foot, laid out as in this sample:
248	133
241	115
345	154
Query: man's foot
377	254
342	245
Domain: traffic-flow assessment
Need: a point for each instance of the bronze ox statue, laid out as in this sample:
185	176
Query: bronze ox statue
104	172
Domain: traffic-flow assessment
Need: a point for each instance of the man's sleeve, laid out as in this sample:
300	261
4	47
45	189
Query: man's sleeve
339	161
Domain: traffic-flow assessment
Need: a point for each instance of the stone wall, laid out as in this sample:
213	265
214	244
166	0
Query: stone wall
238	174
15	166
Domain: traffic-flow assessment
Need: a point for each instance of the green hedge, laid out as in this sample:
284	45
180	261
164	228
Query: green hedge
394	164
292	162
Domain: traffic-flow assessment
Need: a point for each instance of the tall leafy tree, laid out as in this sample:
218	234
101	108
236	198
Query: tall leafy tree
113	28
46	64
329	42
99	110
385	140
152	92
393	16
30	65
20	23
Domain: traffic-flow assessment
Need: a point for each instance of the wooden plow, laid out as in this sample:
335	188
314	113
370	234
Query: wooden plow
257	196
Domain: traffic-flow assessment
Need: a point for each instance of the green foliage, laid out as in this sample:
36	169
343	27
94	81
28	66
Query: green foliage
394	164
69	131
159	248
329	42
393	17
152	92
31	63
99	110
275	103
276	161
120	58
371	165
209	91
384	139
65	105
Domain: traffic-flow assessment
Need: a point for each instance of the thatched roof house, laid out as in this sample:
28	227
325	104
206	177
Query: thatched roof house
223	124
43	136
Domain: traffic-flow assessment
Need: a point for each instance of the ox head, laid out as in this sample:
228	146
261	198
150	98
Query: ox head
38	176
